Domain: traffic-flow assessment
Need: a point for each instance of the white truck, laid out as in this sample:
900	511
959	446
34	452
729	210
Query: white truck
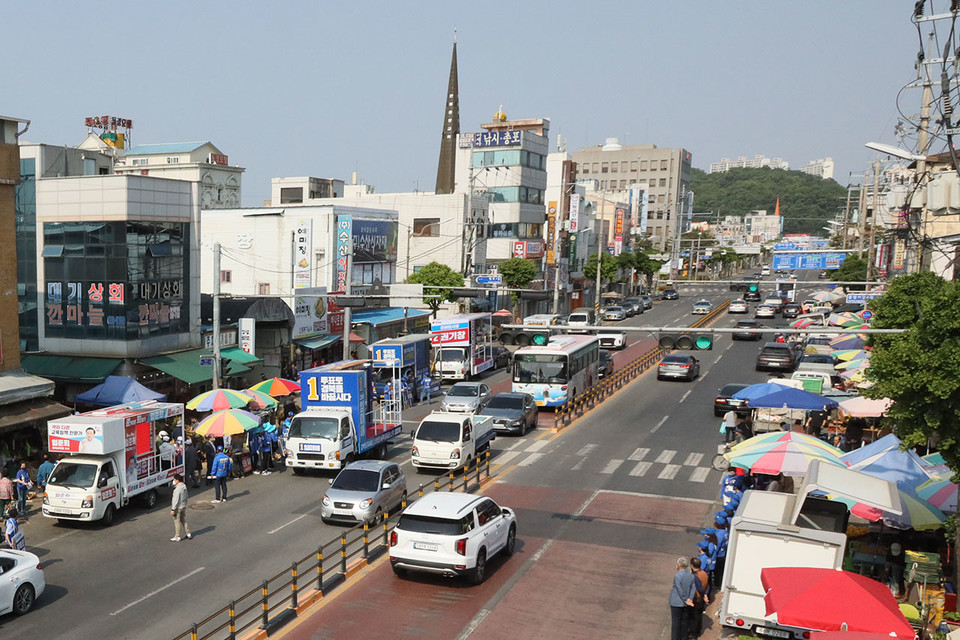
112	455
450	441
773	529
462	345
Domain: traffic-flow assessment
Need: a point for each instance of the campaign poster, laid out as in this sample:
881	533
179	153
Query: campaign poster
65	437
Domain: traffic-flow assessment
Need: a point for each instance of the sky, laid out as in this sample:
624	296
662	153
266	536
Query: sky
326	89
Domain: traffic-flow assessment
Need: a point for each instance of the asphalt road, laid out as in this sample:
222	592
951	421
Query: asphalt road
130	581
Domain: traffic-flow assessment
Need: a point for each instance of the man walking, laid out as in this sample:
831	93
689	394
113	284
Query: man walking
191	463
43	473
210	452
222	468
729	426
178	509
700	600
23	483
681	597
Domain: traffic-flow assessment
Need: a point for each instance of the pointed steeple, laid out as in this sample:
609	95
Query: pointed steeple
446	168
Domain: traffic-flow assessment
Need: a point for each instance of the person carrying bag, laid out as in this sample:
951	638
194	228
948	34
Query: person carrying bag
12	534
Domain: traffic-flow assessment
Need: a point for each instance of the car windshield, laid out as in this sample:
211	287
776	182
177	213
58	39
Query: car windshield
632	300
452	354
72	474
357	480
442	526
505	402
318	427
614	309
746	325
540	368
818	359
464	391
438	431
670	291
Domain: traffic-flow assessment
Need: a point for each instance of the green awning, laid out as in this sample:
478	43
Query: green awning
185	366
317	342
69	368
238	355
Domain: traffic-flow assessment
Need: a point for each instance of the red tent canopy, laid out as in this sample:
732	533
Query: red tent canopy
806	598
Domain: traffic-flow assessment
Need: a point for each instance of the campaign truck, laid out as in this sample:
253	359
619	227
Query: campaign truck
111	456
449	441
395	357
339	422
463	345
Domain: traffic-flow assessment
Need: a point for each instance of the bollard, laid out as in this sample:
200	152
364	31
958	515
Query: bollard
265	604
343	553
193	632
488	462
320	570
478	469
366	541
293	584
420	491
232	625
386	530
451	481
436	483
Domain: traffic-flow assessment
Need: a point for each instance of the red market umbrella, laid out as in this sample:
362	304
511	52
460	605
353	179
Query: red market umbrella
806	598
276	387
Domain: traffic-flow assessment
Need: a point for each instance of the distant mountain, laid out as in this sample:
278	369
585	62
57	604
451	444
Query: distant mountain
806	202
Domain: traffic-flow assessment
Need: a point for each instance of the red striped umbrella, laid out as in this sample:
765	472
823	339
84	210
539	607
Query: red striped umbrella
277	387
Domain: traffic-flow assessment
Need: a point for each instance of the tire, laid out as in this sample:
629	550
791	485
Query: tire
382	451
109	515
150	499
377	517
297	471
511	545
399	572
23	599
719	462
479	572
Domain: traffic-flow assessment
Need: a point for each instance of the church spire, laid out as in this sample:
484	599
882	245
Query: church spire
446	168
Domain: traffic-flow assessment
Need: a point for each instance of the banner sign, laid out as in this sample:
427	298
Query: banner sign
344	227
551	231
248	334
303	254
374	241
520	249
451	333
618	231
574	212
497	138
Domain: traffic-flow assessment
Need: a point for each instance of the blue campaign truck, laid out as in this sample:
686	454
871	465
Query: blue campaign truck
396	356
339	420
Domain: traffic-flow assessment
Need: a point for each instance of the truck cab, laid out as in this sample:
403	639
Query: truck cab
449	441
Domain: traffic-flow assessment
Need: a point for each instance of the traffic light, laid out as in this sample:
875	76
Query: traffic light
686	340
754	287
522	337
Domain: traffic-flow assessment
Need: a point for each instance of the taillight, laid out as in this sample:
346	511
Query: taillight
39	566
684	366
393	538
462	546
721	401
806	634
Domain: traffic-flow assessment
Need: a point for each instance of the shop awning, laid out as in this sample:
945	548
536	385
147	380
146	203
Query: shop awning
377	317
29	412
316	342
69	368
185	366
238	355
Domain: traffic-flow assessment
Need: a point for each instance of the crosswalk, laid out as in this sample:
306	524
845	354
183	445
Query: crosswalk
666	464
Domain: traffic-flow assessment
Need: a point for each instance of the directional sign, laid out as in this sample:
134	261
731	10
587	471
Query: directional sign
861	297
206	361
490	279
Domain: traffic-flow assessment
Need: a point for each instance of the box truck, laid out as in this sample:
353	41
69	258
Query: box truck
463	345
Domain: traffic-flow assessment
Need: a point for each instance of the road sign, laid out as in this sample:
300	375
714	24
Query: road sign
490	279
866	315
861	297
206	361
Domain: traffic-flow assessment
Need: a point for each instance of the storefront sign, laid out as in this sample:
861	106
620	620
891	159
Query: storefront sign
520	249
899	254
618	231
497	138
303	254
534	248
374	241
574	212
228	338
310	313
248	334
218	158
551	231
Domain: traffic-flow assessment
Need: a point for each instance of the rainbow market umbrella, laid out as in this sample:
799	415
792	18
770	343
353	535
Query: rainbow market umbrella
228	422
773	438
260	399
850	341
850	354
219	399
803	323
789	458
277	387
940	492
916	514
837	319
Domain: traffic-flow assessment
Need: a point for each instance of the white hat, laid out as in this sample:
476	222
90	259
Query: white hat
166	438
163	434
189	441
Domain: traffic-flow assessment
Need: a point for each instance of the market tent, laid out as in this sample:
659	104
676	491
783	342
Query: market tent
875	448
790	398
118	390
851	635
905	468
861	407
759	390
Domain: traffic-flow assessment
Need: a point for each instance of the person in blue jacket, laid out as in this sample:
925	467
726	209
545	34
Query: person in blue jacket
222	468
254	438
266	449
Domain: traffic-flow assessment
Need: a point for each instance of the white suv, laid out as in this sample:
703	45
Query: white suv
452	534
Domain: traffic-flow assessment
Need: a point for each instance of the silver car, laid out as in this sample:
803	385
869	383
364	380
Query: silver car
363	491
614	313
466	397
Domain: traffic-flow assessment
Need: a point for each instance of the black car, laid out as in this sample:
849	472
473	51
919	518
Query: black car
790	310
725	401
501	357
512	412
778	356
752	296
606	363
671	294
743	330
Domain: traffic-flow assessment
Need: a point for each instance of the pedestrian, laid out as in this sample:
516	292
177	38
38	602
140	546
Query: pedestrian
6	491
167	453
191	463
797	426
266	452
209	452
253	443
23	483
178	509
43	473
815	423
425	383
681	597
11	531
222	468
700	599
745	428
729	426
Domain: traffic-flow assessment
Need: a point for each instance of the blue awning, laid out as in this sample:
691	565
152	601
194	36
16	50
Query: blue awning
316	342
376	317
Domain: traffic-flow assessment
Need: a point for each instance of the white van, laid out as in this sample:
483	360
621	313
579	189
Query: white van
765	271
580	318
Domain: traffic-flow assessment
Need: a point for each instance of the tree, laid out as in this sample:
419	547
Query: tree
608	267
852	269
517	272
437	280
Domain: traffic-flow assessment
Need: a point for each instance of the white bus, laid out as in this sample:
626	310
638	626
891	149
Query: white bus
558	371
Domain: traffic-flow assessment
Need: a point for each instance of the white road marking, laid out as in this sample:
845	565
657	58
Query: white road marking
641	468
612	466
504	458
539	444
288	523
659	424
529	460
639	454
579	465
718	359
155	592
37	543
693	459
684	397
699	474
669	472
666	456
586	450
658	496
516	443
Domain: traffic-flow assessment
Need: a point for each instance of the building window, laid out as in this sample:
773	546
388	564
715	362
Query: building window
663	182
623	184
605	167
226	277
659	215
663	165
596	167
291	195
139	162
623	166
643	165
586	170
633	166
263	288
660	199
173	160
426	227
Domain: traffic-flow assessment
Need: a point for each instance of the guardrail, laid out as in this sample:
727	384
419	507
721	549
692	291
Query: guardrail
565	414
284	596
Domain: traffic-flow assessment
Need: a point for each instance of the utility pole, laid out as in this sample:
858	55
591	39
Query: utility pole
923	142
846	218
557	223
873	219
216	315
861	217
675	267
467	255
599	225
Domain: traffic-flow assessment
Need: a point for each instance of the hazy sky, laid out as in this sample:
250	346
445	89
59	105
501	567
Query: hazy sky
326	89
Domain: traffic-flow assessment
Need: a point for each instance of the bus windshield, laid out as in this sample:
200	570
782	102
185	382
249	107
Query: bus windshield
551	369
307	427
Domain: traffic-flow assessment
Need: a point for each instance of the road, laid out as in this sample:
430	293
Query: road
606	498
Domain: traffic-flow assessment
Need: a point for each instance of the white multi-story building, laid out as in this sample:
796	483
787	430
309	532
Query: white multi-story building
757	162
821	167
285	191
760	227
200	162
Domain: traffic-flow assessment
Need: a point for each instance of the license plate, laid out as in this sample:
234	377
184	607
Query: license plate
311	448
773	633
425	546
343	512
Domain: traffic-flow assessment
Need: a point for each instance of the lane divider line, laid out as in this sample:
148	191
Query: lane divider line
659	424
161	589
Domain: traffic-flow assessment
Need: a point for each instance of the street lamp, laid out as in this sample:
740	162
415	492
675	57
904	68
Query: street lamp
422	230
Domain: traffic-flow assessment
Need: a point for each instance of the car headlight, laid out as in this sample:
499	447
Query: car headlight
365	504
415	452
455	454
516	423
326	500
87	503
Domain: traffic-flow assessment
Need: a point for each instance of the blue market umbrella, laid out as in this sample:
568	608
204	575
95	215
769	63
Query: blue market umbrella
759	390
790	398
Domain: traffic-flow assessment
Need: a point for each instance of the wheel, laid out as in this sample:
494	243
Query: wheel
377	517
480	570
109	515
719	462
297	471
23	599
511	545
659	378
382	451
399	572
150	499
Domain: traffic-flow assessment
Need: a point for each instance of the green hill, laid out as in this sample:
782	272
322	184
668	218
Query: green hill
806	202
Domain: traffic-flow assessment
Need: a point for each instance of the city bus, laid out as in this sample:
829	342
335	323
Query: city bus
558	371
